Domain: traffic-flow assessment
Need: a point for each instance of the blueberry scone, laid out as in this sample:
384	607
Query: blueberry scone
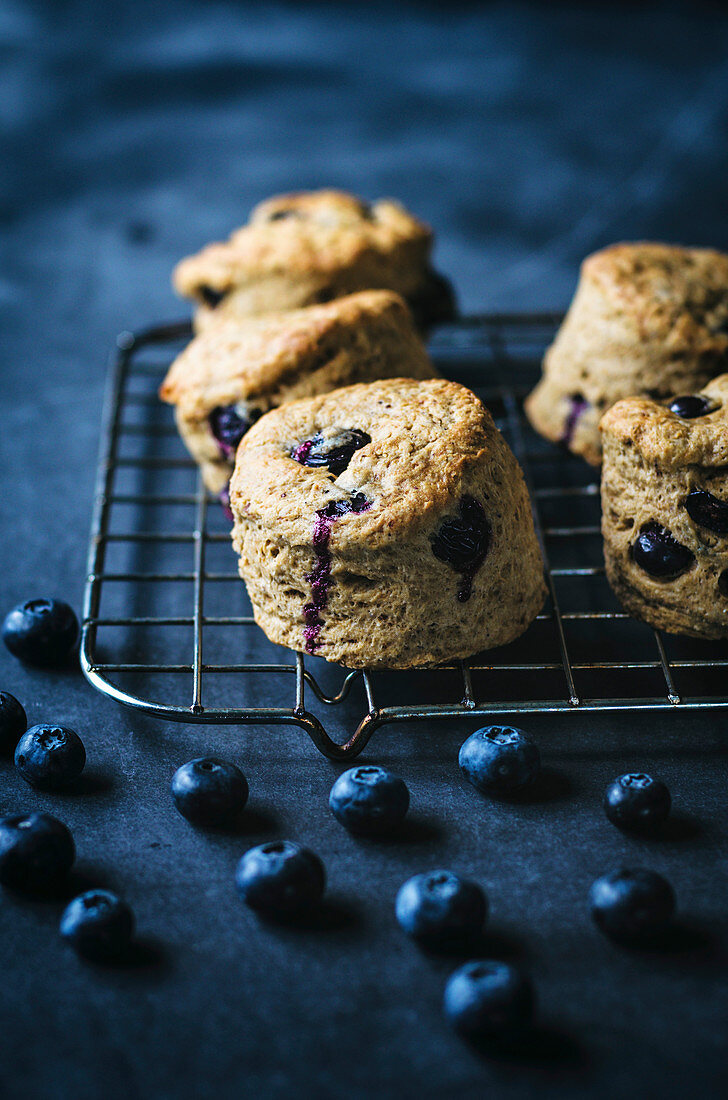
385	525
665	509
647	319
311	247
229	375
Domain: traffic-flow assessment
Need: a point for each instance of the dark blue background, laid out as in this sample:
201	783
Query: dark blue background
527	135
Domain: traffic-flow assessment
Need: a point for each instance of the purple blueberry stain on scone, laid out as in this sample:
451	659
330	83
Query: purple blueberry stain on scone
660	555
578	406
320	577
463	543
688	406
300	453
333	448
707	511
224	498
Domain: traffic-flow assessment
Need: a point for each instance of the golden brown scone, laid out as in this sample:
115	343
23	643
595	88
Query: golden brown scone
647	319
665	509
229	375
311	247
385	525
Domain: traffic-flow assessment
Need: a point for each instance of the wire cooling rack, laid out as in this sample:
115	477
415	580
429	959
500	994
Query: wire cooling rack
168	628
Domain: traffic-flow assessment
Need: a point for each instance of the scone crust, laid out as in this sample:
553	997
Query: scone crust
652	460
306	248
671	291
262	362
647	319
668	440
392	602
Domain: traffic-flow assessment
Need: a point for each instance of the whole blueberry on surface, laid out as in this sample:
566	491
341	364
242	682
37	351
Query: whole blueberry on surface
210	296
369	800
708	511
439	907
280	878
489	999
98	924
632	905
49	757
13	721
690	405
209	791
333	448
36	852
463	543
656	552
637	801
228	427
499	759
41	632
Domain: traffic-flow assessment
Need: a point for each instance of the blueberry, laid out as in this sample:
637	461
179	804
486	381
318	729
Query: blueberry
228	427
49	756
659	554
356	503
499	759
708	511
333	448
369	800
208	791
637	801
690	405
434	302
13	721
632	905
98	925
489	999
463	543
280	878
210	296
440	908
282	215
36	852
41	632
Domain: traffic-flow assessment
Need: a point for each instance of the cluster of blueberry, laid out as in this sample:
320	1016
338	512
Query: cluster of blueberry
462	542
37	850
483	998
37	853
439	909
655	550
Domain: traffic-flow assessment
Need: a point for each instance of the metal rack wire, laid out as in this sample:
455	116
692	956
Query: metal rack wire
167	628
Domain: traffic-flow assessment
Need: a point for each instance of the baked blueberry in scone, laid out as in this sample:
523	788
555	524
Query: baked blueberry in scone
229	375
407	541
665	509
647	319
311	247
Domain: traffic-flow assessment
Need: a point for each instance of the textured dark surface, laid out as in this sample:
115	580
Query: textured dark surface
132	134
